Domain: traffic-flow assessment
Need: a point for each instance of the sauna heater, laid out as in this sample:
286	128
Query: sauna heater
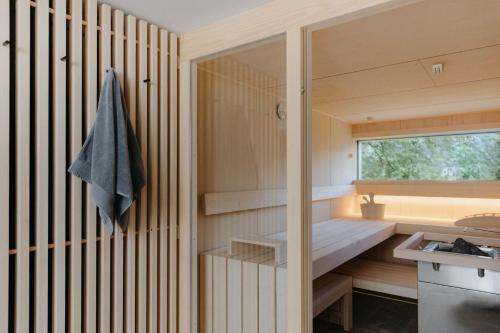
458	299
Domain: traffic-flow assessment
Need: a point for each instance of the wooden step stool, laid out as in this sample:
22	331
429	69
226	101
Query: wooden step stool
328	289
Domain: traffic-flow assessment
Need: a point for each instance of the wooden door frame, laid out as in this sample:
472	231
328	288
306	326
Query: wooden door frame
297	20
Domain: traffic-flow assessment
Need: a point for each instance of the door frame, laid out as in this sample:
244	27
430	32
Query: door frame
277	17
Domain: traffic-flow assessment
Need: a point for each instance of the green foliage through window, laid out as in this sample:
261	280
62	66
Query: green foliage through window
444	157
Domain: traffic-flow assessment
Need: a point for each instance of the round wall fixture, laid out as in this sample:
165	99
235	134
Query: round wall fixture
281	111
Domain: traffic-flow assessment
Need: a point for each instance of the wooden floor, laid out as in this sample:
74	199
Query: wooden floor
375	315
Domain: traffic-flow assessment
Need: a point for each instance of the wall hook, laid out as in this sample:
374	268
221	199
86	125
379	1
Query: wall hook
6	43
146	80
64	58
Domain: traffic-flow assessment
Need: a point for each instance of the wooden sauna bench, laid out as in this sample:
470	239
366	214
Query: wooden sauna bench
246	290
339	240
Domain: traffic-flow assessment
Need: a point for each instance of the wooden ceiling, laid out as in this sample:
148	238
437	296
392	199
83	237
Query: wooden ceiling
380	67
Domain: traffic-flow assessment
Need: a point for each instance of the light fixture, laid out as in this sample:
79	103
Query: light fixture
437	68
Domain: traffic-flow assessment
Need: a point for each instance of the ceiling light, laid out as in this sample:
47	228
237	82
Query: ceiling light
437	68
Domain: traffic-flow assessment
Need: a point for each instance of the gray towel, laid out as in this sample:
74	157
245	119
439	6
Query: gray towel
110	159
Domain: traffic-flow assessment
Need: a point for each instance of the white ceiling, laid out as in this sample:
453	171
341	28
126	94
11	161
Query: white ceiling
181	16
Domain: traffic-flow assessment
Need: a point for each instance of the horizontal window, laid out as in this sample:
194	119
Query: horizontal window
441	157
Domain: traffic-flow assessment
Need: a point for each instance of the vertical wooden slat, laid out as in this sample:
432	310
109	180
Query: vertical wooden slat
105	245
267	299
250	306
142	117
42	164
130	96
119	65
281	287
90	78
153	179
59	139
220	294
22	164
4	163
206	293
234	293
76	71
173	174
164	193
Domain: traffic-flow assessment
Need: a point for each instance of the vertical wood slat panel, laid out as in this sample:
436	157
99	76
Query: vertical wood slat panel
234	293
152	130
42	164
76	74
267	298
206	293
153	179
219	294
130	96
4	163
22	164
90	78
105	244
164	193
281	290
119	65
76	71
59	165
173	188
142	116
250	300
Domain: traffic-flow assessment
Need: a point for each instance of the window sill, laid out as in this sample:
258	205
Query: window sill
426	188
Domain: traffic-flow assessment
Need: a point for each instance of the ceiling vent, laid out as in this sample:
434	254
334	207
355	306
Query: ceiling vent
437	68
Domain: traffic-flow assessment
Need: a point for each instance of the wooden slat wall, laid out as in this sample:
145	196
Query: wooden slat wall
60	270
238	295
4	163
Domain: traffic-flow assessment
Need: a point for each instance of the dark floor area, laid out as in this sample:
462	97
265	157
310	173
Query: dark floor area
373	314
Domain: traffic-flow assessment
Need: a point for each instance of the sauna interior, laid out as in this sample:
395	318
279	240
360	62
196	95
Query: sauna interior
411	73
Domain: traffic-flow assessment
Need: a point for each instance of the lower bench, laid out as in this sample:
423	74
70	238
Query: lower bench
384	277
330	288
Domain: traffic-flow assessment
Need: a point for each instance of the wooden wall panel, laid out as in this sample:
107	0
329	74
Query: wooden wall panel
173	182
60	59
476	121
90	320
153	125
247	172
23	160
250	307
42	164
75	137
5	161
142	127
131	99
234	294
164	182
118	284
69	273
105	242
219	294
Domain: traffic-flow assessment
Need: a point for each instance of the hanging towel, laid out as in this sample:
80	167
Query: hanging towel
110	158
